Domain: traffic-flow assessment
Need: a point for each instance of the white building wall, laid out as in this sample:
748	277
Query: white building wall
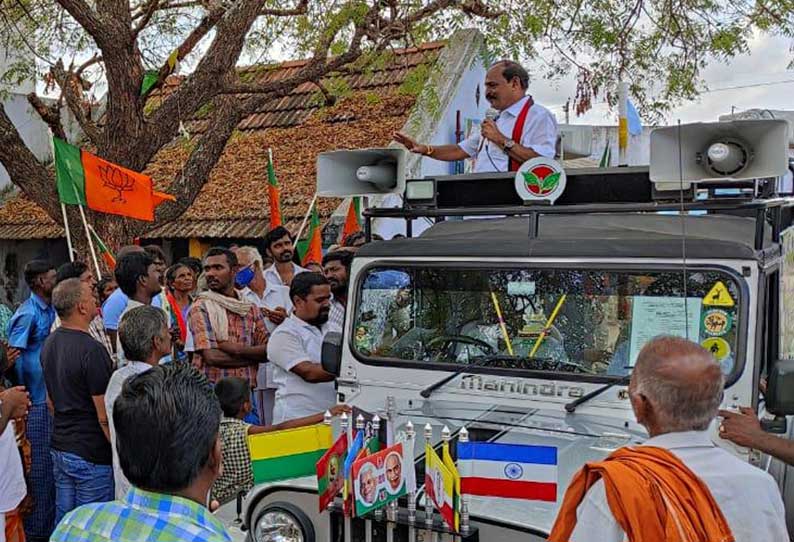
470	101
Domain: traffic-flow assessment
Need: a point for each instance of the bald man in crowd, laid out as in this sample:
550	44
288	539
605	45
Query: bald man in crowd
697	489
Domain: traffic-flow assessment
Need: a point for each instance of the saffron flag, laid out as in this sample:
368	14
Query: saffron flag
290	453
449	463
104	251
353	219
273	195
440	486
330	478
512	471
314	250
85	179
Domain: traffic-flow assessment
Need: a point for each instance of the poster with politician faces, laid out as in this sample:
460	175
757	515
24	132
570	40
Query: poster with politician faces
379	479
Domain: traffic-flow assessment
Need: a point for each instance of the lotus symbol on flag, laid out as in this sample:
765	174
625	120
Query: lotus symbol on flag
541	180
117	180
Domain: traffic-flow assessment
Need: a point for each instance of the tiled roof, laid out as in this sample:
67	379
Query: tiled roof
20	218
233	203
307	98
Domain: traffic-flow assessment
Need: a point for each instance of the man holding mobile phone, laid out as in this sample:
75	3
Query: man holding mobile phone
274	302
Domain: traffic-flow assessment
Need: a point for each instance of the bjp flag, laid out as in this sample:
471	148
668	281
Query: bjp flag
86	179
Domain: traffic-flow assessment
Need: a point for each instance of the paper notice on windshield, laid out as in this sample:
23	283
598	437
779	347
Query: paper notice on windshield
654	316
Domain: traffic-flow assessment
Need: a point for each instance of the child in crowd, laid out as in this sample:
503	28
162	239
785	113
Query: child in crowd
234	394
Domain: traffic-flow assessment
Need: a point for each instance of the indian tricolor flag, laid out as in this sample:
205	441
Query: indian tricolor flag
440	486
290	453
512	471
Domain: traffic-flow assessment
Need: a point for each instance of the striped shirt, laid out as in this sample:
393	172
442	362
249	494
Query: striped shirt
141	516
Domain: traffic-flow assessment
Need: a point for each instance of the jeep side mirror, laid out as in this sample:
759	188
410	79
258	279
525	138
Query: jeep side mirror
780	388
331	357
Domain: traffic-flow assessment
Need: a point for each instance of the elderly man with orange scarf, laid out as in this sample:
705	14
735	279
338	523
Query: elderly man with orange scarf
678	486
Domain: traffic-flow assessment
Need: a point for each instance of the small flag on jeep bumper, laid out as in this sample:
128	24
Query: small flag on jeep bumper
290	453
512	471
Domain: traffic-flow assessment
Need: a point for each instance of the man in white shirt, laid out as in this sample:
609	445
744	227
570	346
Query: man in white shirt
273	300
279	246
144	338
294	349
675	391
522	129
139	278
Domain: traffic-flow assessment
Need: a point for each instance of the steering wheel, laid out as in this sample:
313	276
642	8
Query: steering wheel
448	340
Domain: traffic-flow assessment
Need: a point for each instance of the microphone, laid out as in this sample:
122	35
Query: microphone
490	114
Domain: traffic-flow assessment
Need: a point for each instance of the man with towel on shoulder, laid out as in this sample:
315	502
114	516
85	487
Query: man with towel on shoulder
229	333
677	485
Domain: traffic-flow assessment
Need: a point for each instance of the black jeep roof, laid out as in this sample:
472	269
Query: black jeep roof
646	235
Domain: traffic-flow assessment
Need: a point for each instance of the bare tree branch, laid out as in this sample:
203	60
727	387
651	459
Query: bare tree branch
148	11
50	114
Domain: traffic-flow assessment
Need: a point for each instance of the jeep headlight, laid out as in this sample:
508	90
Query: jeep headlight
283	522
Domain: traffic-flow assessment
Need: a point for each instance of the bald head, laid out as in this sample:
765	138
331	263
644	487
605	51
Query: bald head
676	386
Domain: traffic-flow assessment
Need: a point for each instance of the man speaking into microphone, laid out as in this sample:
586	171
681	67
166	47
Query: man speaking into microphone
518	130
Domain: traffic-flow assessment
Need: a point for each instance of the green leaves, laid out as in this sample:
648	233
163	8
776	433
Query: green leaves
550	182
541	187
531	179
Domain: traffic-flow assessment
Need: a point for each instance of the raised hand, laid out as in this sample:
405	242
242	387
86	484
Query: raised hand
409	143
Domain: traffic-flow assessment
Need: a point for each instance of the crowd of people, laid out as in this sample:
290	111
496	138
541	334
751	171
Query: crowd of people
241	330
126	401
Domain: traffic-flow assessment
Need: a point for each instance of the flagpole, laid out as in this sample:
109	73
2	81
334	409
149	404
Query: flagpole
63	205
463	436
346	430
90	243
68	233
428	500
410	434
306	218
446	436
85	225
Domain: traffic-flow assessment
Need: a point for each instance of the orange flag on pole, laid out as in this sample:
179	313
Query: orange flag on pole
353	220
116	190
85	179
314	252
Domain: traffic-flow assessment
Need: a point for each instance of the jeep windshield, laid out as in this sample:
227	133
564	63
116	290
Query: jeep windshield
575	321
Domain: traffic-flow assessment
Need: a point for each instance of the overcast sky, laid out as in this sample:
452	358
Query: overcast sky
767	63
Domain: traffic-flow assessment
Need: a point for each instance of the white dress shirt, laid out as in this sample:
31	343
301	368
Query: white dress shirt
113	391
293	342
539	134
748	497
273	297
272	276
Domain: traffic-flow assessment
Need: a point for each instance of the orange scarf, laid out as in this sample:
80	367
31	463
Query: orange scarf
653	496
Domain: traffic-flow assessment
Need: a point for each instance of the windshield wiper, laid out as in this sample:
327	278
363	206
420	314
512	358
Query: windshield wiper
571	407
479	361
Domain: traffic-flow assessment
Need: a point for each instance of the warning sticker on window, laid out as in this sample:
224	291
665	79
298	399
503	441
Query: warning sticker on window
718	347
718	296
717	322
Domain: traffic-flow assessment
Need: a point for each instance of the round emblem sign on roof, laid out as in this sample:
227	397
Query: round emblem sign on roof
540	179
